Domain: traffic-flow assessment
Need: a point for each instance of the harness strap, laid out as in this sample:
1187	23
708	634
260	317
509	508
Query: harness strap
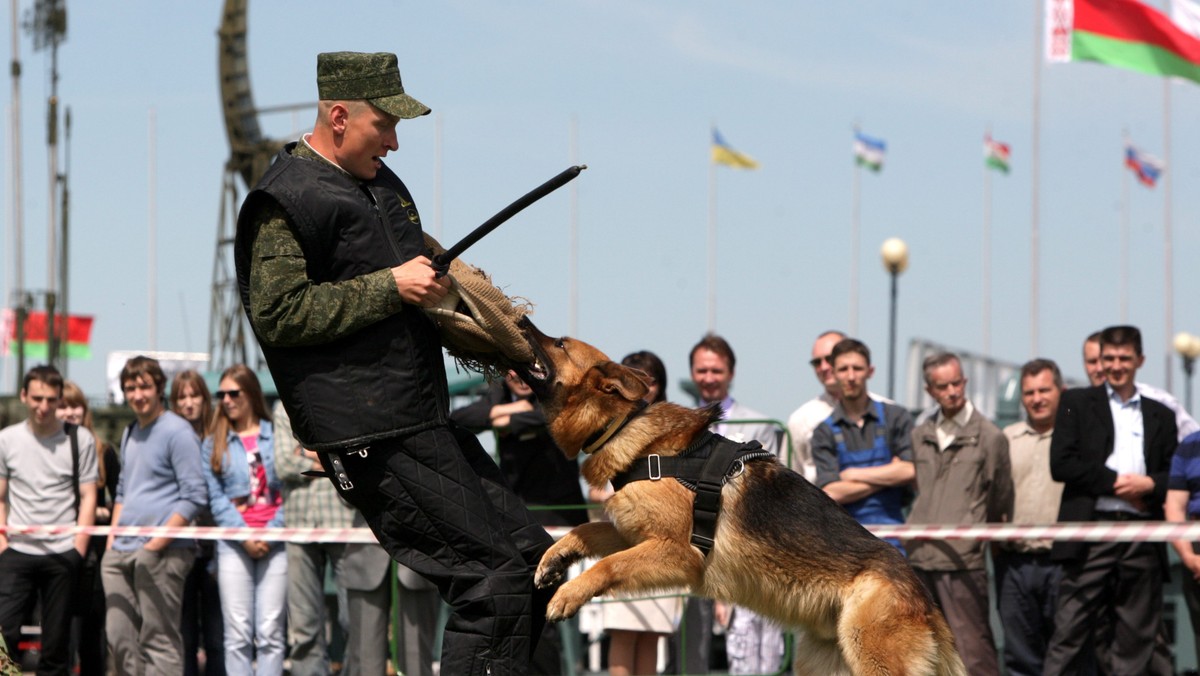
701	470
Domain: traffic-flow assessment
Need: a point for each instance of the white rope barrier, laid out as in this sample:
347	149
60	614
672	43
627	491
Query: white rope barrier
1095	531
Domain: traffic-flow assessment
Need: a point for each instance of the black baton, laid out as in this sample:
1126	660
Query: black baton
441	262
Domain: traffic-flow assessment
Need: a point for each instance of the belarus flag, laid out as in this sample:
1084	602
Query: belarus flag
1123	33
74	334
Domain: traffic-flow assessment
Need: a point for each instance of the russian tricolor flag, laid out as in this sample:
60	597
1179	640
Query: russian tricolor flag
1146	166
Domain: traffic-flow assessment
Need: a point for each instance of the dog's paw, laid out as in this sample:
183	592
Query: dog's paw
551	571
567	602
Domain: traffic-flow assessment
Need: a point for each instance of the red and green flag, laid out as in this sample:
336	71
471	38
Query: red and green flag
995	154
74	334
1123	33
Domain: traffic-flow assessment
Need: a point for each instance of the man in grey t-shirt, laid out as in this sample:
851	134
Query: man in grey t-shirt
47	478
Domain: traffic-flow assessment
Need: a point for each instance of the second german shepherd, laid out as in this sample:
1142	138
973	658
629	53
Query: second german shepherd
782	547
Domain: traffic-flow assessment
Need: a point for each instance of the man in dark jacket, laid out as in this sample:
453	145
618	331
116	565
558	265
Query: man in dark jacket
333	272
534	466
1112	450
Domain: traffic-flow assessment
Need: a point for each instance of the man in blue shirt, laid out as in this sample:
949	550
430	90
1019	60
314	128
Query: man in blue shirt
162	484
863	450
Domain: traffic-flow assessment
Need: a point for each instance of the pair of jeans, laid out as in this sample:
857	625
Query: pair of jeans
253	608
23	579
144	594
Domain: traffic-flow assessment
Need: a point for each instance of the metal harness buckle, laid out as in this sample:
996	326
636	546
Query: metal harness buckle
654	464
339	470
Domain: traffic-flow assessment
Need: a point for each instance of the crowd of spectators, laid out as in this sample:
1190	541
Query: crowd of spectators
1117	450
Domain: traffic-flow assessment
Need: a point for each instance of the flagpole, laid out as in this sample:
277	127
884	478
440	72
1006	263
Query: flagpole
1168	256
1124	303
712	246
573	321
152	243
437	177
987	256
1034	255
854	243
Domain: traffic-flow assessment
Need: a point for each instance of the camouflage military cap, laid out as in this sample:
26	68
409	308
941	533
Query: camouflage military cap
349	76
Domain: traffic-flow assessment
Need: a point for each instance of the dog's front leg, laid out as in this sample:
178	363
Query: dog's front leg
594	539
649	565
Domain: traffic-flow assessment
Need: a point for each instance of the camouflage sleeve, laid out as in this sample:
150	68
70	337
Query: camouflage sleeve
287	308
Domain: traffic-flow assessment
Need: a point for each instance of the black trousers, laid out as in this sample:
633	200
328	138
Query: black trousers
25	577
1120	581
439	505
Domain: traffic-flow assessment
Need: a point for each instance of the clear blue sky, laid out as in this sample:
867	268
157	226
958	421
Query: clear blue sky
785	83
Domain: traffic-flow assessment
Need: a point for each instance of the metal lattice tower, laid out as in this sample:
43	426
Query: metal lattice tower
230	339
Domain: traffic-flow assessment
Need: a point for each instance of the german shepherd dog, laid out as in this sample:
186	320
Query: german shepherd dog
782	548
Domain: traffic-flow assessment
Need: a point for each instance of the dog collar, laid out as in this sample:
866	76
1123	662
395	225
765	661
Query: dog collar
610	430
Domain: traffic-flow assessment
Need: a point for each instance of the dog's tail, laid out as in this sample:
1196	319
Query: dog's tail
949	663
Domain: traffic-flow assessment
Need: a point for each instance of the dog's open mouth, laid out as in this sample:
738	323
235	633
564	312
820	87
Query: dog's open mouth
537	370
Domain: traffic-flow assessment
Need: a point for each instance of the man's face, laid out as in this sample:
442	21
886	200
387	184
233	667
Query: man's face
1091	362
370	134
712	375
821	364
948	388
42	402
1121	363
852	371
1039	396
142	396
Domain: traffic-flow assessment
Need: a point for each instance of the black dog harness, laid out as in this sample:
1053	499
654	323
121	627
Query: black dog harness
704	467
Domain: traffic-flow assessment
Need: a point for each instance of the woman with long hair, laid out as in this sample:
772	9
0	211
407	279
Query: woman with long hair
244	491
189	399
73	408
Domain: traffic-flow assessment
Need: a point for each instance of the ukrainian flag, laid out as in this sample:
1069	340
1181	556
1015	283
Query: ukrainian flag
723	154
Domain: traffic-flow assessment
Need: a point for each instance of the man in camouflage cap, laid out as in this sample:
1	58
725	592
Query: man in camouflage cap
333	271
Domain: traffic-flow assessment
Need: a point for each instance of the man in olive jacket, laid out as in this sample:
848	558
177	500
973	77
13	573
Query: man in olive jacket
963	476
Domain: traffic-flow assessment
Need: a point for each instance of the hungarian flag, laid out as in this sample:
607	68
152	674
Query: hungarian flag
723	153
74	334
869	152
995	154
1145	166
1123	33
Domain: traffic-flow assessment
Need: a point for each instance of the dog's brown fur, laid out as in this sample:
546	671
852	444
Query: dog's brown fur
783	548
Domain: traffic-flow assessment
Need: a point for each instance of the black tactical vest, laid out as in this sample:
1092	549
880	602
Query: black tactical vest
385	380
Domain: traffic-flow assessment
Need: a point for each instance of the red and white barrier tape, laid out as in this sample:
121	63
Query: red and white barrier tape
1097	531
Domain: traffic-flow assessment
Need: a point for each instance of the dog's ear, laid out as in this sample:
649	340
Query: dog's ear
621	380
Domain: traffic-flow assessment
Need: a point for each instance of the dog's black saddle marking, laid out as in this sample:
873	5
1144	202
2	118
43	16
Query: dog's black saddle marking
704	467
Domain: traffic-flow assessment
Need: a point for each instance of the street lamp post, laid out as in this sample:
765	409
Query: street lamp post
1188	347
895	260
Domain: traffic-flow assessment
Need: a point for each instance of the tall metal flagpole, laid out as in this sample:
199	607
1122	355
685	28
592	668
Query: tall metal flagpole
1168	256
437	177
18	288
1034	255
1124	303
987	256
573	304
712	245
152	244
854	237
